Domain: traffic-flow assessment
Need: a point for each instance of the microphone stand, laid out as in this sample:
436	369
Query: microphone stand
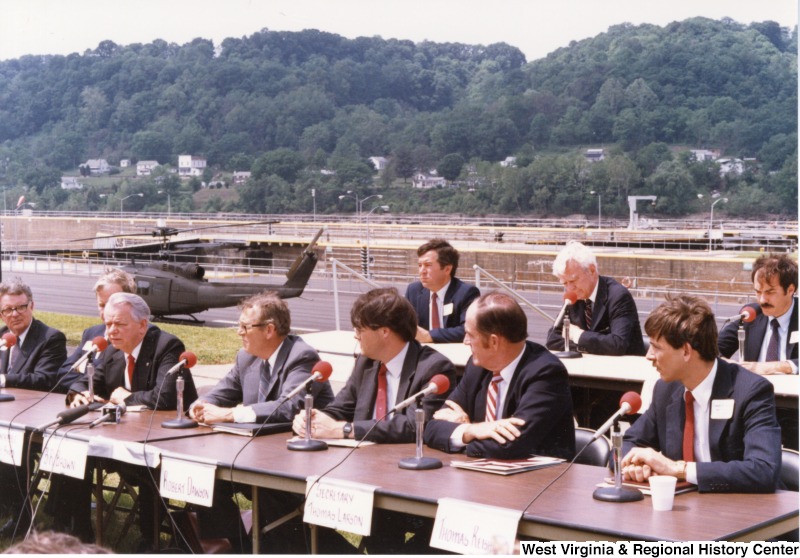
567	353
308	444
740	336
93	405
617	493
4	396
179	421
419	463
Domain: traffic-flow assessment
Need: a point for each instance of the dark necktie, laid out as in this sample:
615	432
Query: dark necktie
688	428
587	313
436	322
13	355
380	398
131	368
774	345
263	382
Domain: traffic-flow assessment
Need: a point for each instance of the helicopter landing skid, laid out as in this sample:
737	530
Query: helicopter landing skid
185	321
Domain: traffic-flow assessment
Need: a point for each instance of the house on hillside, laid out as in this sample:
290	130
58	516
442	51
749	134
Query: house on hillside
70	183
190	165
240	177
701	155
97	166
380	163
730	165
124	163
594	155
509	162
423	180
144	168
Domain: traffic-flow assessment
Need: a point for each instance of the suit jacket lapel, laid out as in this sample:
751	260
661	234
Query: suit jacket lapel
448	299
600	304
141	371
677	411
407	374
32	339
280	361
791	348
115	370
755	337
480	400
722	389
423	308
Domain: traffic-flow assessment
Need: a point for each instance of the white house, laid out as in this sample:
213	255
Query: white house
422	180
701	155
189	165
594	155
70	183
730	166
144	168
509	162
97	166
124	163
240	177
380	163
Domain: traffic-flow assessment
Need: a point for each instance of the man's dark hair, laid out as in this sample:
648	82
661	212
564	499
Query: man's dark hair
499	314
385	308
684	319
776	265
445	253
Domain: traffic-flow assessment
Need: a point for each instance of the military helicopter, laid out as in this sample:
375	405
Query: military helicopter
173	288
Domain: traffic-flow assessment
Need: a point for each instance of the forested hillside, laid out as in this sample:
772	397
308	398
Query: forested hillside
287	105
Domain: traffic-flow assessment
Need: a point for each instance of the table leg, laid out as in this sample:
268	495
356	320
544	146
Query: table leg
255	530
98	496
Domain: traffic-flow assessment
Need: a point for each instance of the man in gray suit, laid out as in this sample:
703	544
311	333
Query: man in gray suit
270	364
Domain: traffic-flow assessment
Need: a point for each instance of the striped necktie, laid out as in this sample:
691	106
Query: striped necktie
587	313
774	345
263	382
492	396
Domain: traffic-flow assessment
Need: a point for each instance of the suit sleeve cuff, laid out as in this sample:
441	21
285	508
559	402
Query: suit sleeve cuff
243	414
691	472
457	438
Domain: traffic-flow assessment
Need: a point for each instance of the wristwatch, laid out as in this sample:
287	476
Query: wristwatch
681	471
347	430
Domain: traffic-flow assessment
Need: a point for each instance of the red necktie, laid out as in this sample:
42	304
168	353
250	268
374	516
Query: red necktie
380	399
688	428
436	323
491	398
131	366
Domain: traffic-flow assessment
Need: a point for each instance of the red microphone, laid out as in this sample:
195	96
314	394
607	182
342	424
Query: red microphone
319	373
187	359
100	342
8	340
569	298
99	345
629	404
438	385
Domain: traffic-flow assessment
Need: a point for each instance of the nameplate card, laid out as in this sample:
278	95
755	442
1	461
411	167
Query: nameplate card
339	505
468	528
63	456
12	441
187	481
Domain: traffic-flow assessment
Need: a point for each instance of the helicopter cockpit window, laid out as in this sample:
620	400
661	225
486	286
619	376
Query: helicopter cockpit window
143	287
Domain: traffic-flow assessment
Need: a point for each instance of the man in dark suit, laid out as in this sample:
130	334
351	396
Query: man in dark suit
604	320
392	367
771	339
439	297
133	371
32	363
264	326
514	399
113	281
710	422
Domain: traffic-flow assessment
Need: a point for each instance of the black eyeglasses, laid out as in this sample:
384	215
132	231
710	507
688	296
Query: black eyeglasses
247	328
9	310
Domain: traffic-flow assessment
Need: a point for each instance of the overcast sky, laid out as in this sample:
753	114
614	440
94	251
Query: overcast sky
537	27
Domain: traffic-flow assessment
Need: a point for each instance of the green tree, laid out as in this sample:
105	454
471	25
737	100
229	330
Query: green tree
282	162
450	166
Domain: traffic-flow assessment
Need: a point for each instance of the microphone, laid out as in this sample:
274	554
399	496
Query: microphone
569	298
321	372
99	345
439	384
746	315
187	359
629	403
65	417
111	413
8	340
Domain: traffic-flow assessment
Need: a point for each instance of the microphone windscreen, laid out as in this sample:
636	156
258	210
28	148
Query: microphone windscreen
100	342
633	399
10	339
571	297
324	368
73	413
751	314
442	383
189	357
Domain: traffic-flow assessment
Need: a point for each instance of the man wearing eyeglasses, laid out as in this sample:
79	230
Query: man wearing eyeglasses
34	361
270	364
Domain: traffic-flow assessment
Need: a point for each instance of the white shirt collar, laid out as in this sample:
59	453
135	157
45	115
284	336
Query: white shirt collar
702	392
441	292
395	366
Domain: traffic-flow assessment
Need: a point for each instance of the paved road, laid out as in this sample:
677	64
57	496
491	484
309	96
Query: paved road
314	311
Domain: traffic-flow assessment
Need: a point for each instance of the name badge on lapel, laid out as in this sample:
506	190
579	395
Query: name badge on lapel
448	309
793	337
722	409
